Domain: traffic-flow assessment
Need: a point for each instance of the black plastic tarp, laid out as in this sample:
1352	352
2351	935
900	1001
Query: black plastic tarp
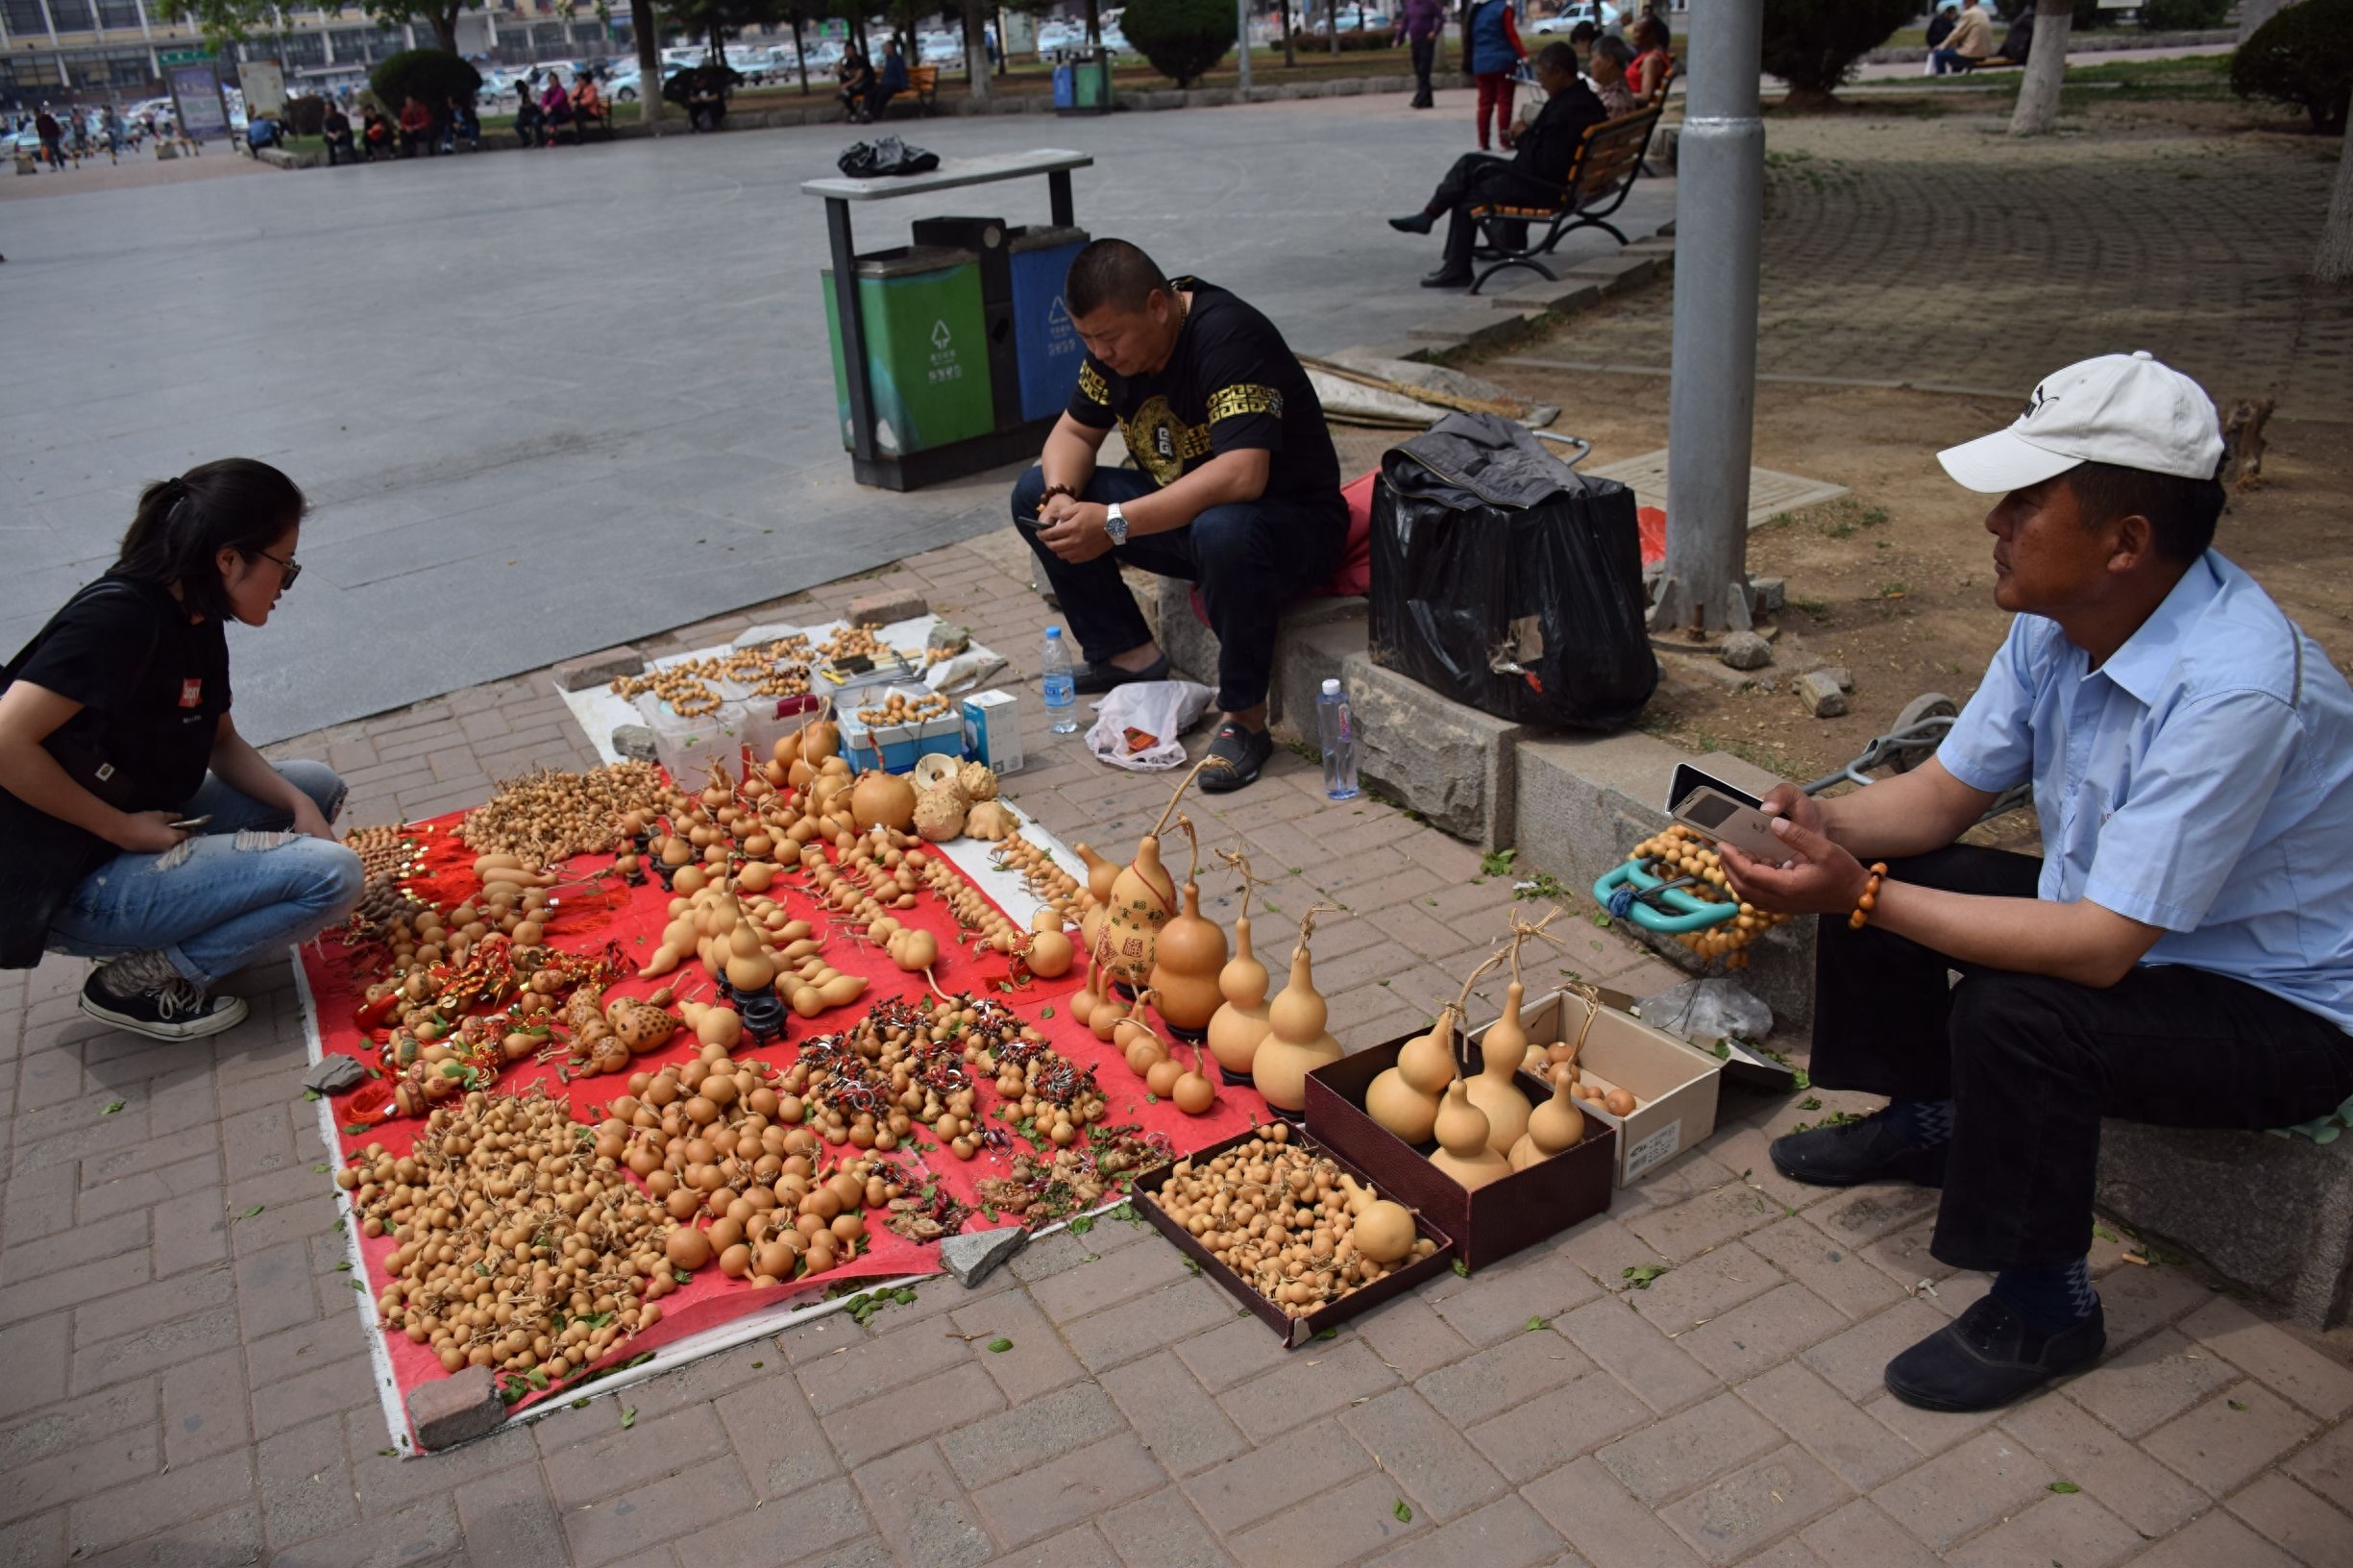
1507	580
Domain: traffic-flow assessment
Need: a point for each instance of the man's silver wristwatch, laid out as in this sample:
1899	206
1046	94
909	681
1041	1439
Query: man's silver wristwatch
1115	524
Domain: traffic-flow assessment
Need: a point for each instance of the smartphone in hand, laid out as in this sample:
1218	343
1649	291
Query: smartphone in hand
1724	814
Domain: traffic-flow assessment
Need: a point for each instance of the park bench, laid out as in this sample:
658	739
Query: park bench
583	119
1608	161
922	90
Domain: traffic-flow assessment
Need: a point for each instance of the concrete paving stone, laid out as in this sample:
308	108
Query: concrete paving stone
1056	1254
2219	1538
2139	1388
2272	1353
1314	1459
94	1462
1317	1380
333	1388
1041	1430
637	1525
1930	1432
1518	1368
1175	1416
773	1433
228	1536
1413	1442
1903	1256
1037	1362
60	1429
1757	1333
1149	1323
1162	1530
1068	1490
1080	1546
2146	1495
57	1290
2290	1516
1708	1221
509	1518
1670	1457
38	1355
1625	1343
581	1472
876	1365
1855	1361
109	1313
1854	1446
1551	1429
800	1523
305	1482
387	1482
1704	1288
2221	1444
34	1541
1831	1272
1990	1476
127	1513
207	1407
1358	1520
1222	1358
2327	1467
267	1289
1859	1535
1732	1517
819	1338
916	1503
2064	1529
1607	1527
1605	1249
1870	1212
199	1333
282	1223
146	1189
1500	1300
912	1413
1506	1533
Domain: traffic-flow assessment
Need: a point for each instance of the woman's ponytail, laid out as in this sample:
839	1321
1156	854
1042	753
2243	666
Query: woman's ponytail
183	523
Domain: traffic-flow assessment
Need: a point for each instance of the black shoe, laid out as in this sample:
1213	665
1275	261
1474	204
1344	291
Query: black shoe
173	1009
1236	757
1869	1150
1990	1357
1446	279
1094	679
1417	223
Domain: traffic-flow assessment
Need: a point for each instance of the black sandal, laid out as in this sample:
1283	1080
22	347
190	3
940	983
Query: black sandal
1235	758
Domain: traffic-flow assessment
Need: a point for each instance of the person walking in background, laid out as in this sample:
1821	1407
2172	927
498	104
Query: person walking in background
1969	41
53	136
1492	40
1419	22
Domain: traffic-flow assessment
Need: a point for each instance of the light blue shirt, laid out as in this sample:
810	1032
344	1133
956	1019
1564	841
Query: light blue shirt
2200	780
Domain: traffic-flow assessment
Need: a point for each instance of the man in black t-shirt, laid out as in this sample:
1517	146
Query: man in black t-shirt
1239	488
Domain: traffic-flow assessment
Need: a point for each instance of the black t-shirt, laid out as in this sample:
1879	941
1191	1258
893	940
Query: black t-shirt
1231	384
156	724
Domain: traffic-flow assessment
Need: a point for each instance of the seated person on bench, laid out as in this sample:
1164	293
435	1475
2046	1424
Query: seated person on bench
1239	492
336	128
588	105
416	128
1543	153
2182	952
889	80
376	133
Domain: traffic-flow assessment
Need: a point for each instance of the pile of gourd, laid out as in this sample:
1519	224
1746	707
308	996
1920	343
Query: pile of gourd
1680	852
1300	1231
549	816
956	800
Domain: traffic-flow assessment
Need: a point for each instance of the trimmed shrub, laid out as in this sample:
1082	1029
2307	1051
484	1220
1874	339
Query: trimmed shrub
1182	39
2183	15
432	76
306	116
2302	56
1812	44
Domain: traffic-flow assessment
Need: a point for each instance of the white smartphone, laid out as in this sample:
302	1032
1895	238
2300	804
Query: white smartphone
1723	813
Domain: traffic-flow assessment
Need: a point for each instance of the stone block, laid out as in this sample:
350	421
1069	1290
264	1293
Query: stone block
2192	1187
1314	634
1745	650
1474	324
1207	97
1840	674
1454	765
883	610
335	1075
596	669
1557	297
634	741
1767	596
1821	693
1345	87
975	1255
1618	273
455	1410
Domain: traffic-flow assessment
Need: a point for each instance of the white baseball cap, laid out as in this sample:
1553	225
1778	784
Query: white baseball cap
2128	409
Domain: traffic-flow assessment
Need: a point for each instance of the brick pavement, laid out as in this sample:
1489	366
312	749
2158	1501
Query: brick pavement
187	1382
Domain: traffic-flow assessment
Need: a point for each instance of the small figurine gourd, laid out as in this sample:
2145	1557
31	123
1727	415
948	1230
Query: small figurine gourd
1462	1152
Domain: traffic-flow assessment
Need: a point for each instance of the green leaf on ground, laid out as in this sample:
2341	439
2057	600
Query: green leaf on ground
1812	1102
113	1106
2065	1488
1497	861
344	1267
628	1416
1642	1274
580	1404
1327	1334
1193	1266
2235	1404
251	1212
1462	1268
311	1094
1047	1014
2103	1233
756	1365
998	1347
1081	1224
354	1129
1534	1325
1404	1512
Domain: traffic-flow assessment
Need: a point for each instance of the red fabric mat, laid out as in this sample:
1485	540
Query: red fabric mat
606	910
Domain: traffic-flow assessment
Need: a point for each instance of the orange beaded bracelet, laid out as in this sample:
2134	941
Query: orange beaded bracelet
1870	900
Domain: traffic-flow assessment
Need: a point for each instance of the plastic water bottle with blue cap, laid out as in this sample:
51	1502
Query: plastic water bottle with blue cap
1061	694
1339	732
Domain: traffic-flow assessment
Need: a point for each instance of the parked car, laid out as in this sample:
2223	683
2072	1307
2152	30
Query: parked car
1352	19
1580	11
624	85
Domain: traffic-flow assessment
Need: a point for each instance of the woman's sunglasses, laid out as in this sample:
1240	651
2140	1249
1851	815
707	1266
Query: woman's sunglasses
291	568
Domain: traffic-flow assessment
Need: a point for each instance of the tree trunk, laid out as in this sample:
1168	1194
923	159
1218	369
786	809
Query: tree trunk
2334	262
800	56
445	27
975	51
645	31
1095	22
1331	20
2253	14
2038	95
1290	54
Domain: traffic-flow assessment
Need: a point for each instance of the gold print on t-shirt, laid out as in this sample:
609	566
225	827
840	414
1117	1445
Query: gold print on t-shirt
1091	385
1162	442
1228	403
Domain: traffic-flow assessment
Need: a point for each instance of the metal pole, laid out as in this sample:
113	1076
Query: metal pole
1719	211
853	335
1242	30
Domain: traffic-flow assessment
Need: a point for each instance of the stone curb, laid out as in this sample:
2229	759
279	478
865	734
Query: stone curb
1493	321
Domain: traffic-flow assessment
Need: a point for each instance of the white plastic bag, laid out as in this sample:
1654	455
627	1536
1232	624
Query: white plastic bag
1163	709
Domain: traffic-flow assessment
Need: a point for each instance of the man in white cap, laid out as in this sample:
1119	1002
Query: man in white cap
2181	954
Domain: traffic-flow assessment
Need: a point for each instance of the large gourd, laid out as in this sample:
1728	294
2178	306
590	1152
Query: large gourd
1462	1152
1189	956
1501	1049
1405	1098
1144	897
1296	1042
1552	1127
1237	1028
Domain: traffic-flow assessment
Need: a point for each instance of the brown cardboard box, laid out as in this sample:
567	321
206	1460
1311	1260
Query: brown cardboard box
1673	1085
1491	1224
1295	1331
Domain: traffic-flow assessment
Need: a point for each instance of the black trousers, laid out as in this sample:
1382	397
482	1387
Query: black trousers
2032	1063
1425	56
1474	178
1251	559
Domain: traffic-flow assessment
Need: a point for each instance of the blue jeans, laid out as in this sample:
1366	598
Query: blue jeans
1250	557
1947	61
240	890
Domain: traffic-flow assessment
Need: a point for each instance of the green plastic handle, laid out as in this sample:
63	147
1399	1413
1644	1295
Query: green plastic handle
1697	913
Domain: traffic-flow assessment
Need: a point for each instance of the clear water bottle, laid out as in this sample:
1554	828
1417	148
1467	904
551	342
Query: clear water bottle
1338	731
1061	695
